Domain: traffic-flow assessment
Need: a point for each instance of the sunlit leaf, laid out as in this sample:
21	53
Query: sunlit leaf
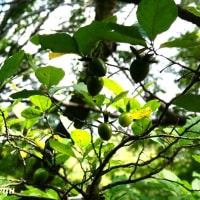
127	104
49	75
156	16
193	10
52	194
141	113
196	157
186	184
55	55
42	102
61	147
196	184
11	65
181	43
81	137
141	125
196	174
158	140
23	154
169	175
153	104
36	192
112	85
118	97
30	113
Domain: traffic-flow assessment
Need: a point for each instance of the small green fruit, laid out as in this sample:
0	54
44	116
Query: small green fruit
139	69
97	67
125	119
40	175
94	85
105	131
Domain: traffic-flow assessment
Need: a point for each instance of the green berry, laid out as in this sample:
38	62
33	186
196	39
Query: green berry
94	85
40	175
139	69
105	131
125	119
97	67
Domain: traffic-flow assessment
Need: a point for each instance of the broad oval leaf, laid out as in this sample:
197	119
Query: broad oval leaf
141	125
99	31
11	65
118	97
189	102
196	158
49	75
81	137
156	16
153	104
113	86
58	42
42	102
31	113
25	94
61	147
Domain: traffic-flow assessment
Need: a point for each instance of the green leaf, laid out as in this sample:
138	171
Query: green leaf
156	16
196	184
11	65
49	75
42	102
153	104
169	175
193	10
32	191
106	31
141	125
64	148
99	99
25	94
112	85
118	97
127	104
30	113
61	158
81	137
52	194
158	140
197	158
81	88
181	43
12	197
58	42
189	102
192	126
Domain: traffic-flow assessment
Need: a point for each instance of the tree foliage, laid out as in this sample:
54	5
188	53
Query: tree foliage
105	131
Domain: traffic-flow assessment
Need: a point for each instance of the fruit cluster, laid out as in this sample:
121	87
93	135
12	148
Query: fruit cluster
97	69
